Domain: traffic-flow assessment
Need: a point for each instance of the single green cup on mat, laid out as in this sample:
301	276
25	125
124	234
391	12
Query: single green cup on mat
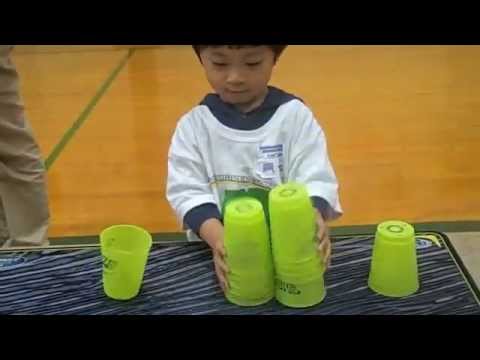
248	253
125	250
393	269
298	267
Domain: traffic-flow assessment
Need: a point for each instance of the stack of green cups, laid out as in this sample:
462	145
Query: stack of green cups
393	269
298	266
249	257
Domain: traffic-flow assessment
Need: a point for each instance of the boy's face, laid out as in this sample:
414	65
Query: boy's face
239	75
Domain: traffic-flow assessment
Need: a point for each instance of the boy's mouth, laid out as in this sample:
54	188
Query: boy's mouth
236	91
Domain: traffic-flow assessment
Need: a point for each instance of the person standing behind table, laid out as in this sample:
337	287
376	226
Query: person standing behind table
24	211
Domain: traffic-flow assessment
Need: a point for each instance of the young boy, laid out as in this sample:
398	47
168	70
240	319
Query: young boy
24	213
245	138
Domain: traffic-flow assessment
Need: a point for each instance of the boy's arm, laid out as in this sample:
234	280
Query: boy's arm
188	190
189	194
309	164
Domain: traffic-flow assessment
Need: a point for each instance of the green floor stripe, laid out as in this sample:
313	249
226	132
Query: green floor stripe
86	112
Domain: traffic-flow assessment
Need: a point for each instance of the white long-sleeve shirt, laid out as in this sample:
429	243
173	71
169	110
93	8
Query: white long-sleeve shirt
208	158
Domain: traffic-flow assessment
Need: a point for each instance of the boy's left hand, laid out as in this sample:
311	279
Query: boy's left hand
323	238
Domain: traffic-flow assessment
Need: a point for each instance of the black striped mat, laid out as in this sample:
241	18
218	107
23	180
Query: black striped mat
180	280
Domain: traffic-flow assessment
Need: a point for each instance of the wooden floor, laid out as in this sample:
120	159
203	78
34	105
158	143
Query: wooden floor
402	122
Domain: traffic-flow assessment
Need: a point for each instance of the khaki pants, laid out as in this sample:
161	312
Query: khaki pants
24	213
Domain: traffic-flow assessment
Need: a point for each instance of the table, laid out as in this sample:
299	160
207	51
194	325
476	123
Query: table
180	279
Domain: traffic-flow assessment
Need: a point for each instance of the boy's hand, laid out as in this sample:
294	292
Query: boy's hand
323	238
212	232
221	268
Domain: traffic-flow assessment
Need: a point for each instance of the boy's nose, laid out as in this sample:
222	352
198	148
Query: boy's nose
235	77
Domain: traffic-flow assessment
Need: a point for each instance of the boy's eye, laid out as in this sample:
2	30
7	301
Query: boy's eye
220	64
252	64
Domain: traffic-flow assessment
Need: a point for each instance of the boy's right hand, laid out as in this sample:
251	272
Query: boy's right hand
212	232
221	268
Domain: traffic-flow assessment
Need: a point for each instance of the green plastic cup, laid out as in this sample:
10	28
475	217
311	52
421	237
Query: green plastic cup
249	257
298	267
292	223
300	284
125	250
393	268
307	268
297	293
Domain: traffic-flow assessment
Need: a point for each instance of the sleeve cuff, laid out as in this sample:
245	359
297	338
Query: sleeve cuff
322	205
199	214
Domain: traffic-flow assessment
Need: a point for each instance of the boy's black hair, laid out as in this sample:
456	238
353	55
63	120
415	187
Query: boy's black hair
277	49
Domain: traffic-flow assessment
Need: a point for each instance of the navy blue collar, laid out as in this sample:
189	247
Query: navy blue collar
230	116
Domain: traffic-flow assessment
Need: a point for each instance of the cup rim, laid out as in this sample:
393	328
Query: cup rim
148	237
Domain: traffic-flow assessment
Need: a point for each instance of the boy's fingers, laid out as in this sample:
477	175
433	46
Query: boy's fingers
221	269
222	285
221	250
323	242
223	281
325	247
328	253
321	231
220	261
223	266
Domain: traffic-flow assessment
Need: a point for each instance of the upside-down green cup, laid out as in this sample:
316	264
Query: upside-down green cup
248	253
125	250
292	223
393	268
298	267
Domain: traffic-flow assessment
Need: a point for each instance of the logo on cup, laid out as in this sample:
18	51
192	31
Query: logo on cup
289	288
108	264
